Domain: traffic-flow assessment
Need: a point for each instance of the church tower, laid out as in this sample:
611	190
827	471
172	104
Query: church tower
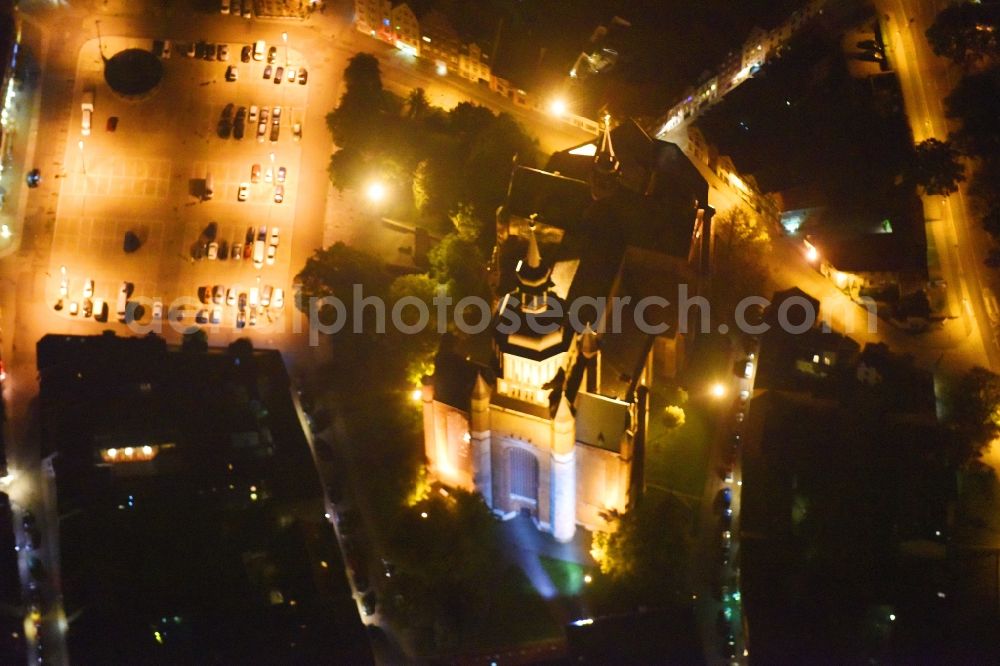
606	168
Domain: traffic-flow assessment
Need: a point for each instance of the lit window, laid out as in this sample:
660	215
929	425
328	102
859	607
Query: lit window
815	358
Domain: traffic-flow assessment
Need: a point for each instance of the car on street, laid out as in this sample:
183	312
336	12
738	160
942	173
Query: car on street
265	295
245	53
241	194
297	131
303	75
748	368
274	236
291	74
279	74
255	173
205	294
88	288
157	310
216	315
236	253
278	298
241	319
252	118
281	174
202	316
258	254
112	124
279	194
275	130
223	250
64	286
213	250
232	74
218	292
34	178
248	250
231	296
271	252
272	54
242	303
261	132
267	71
223	52
248	13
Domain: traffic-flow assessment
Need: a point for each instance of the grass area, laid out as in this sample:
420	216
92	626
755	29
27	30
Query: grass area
566	576
517	615
677	459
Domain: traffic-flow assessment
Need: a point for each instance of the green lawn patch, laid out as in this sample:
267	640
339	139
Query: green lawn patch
518	615
566	576
677	459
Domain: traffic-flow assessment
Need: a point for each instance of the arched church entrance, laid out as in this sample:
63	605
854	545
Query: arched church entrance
522	469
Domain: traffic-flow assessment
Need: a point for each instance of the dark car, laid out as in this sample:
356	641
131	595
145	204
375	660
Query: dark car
223	250
36	568
275	129
303	75
726	496
249	238
245	53
199	50
34	178
112	123
239	127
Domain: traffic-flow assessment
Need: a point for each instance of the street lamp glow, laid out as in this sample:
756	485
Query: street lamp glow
718	390
442	69
4	231
375	191
557	107
588	579
812	254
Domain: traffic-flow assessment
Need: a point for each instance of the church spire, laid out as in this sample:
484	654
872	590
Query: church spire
605	160
534	257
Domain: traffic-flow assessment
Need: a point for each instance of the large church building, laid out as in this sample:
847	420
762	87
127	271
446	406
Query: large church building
554	423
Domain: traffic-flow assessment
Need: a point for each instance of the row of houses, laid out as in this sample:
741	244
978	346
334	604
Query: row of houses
738	67
432	36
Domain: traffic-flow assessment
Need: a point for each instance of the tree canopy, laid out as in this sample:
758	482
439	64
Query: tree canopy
966	33
936	168
975	102
974	413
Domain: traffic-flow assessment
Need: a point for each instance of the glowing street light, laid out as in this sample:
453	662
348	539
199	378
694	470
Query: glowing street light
376	191
441	69
812	254
718	390
557	107
5	232
416	395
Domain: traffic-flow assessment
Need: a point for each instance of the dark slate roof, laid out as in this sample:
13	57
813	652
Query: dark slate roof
558	201
601	421
454	377
873	252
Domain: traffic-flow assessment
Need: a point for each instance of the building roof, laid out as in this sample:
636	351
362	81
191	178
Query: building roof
600	421
871	253
556	200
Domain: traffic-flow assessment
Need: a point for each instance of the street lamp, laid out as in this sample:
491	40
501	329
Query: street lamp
718	390
284	38
4	231
375	191
557	107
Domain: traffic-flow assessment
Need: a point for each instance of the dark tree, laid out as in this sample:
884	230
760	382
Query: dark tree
966	33
936	168
991	221
132	242
356	118
195	341
417	104
975	103
457	262
974	417
334	271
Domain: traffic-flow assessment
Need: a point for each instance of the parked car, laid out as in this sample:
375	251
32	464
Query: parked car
291	75
88	288
223	52
157	310
112	123
205	294
88	307
279	74
303	75
274	236
216	315
241	319
245	53
279	193
241	194
252	117
231	296
297	131
272	55
213	250
218	293
278	298
281	174
255	173
236	253
249	237
223	249
232	74
202	316
271	253
267	71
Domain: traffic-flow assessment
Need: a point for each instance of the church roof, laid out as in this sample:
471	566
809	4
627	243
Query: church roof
601	421
557	200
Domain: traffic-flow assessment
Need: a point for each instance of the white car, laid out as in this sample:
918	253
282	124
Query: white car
216	315
252	115
213	250
74	308
748	369
297	131
88	288
258	253
265	296
231	296
291	74
157	310
274	236
277	298
241	194
281	174
64	287
279	193
271	252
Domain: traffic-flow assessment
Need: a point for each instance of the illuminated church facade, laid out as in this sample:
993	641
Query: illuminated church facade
554	424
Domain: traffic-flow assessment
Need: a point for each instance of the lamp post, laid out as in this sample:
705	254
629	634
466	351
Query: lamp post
284	38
